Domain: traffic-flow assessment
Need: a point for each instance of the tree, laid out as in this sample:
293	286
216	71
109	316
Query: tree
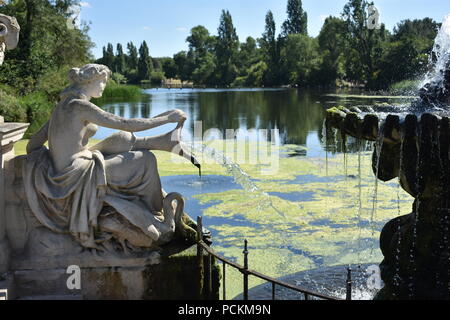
108	56
405	57
301	59
204	71
424	29
333	45
120	63
199	41
270	50
248	54
201	59
184	65
365	42
227	47
297	21
169	67
132	61
145	67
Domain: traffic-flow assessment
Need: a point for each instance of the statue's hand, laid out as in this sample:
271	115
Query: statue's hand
176	116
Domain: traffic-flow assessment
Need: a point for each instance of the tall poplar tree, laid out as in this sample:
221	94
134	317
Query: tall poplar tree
120	63
227	47
108	56
297	21
270	48
133	57
144	63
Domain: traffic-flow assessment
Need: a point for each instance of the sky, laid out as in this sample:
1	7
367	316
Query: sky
165	25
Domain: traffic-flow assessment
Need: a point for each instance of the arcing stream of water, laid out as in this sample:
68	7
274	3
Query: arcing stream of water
239	175
440	55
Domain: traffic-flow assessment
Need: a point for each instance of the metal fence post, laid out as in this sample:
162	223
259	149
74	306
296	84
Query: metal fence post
224	288
245	271
210	277
200	261
349	284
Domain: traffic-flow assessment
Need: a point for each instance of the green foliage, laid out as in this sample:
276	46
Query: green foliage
297	21
365	42
119	78
255	76
204	73
157	77
333	45
120	61
145	65
114	91
300	58
38	110
227	46
169	68
9	108
271	51
132	58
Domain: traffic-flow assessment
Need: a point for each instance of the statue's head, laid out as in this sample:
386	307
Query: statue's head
9	34
90	79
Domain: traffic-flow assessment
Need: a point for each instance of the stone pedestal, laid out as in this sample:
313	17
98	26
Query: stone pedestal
10	133
153	276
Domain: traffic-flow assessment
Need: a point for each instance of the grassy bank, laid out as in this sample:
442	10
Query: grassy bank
120	92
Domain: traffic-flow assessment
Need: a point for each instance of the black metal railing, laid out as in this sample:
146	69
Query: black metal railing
202	247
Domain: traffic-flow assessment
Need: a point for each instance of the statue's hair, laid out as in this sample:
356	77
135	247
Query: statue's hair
89	73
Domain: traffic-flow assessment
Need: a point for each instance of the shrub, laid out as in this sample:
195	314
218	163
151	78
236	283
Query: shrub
10	108
38	110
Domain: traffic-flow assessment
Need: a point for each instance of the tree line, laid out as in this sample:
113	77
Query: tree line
347	51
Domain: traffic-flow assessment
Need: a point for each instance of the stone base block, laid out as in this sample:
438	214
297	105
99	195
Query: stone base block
171	277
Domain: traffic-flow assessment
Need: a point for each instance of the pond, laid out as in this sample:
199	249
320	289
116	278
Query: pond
318	208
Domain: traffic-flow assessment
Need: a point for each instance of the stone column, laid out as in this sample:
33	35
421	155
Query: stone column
10	133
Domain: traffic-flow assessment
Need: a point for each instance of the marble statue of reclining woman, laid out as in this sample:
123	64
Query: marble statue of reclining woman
69	184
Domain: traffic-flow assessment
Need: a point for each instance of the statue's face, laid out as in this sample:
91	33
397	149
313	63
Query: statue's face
97	87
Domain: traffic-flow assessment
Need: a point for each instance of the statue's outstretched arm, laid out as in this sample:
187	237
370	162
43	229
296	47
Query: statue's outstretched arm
91	113
39	139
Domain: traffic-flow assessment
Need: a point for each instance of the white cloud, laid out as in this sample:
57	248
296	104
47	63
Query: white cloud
146	28
181	29
85	5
